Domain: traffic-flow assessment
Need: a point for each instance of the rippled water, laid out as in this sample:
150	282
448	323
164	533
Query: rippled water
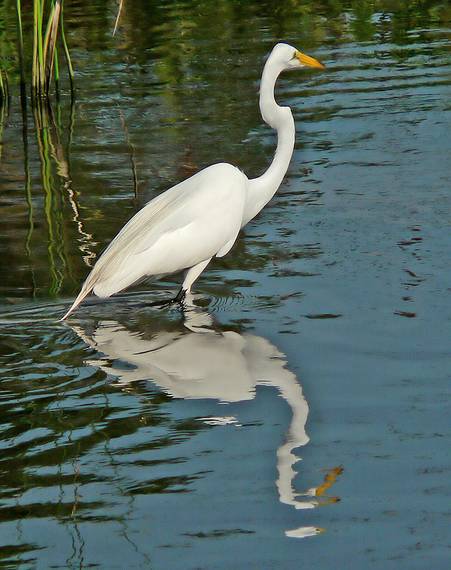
312	366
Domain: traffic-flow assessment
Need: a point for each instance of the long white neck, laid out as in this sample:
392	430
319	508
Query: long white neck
263	188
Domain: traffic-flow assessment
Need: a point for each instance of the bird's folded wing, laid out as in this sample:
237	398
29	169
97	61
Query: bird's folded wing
195	201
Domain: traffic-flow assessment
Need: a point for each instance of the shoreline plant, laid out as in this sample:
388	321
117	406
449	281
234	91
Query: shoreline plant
48	43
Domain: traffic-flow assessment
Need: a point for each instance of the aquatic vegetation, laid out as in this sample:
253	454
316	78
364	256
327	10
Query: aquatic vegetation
45	65
34	53
4	88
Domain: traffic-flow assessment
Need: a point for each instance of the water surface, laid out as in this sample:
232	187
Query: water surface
296	413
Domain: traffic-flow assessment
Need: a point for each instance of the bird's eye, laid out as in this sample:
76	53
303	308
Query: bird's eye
293	57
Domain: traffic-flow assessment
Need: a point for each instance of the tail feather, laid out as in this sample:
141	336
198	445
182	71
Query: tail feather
83	293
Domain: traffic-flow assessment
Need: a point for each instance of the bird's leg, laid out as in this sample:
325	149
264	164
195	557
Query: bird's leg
191	275
166	302
180	296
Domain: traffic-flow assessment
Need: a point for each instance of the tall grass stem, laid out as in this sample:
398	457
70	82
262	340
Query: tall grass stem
67	54
20	46
118	16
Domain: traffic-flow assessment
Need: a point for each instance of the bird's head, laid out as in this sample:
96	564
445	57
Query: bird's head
289	58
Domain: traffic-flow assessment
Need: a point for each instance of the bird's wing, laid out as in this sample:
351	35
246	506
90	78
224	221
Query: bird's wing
215	194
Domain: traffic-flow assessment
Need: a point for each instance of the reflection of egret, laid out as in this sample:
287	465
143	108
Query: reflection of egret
203	363
200	218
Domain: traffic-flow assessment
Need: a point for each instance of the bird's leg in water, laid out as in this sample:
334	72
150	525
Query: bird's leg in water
166	302
180	296
191	275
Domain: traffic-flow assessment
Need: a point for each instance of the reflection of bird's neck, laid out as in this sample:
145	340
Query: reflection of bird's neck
262	189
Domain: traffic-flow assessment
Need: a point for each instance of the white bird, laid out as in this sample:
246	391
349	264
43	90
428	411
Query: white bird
200	218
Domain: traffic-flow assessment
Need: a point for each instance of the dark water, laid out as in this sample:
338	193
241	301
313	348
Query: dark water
297	413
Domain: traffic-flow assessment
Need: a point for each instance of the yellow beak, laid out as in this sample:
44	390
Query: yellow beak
309	61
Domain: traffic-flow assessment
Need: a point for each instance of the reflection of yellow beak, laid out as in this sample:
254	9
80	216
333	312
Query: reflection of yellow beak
331	476
309	61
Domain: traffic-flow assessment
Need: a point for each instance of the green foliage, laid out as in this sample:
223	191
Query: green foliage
45	53
39	31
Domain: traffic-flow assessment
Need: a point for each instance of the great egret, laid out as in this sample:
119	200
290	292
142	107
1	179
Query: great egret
183	228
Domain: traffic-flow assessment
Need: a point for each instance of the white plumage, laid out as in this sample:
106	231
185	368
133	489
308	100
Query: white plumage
200	218
206	210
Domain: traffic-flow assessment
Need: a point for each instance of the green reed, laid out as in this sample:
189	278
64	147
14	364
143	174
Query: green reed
4	110
70	69
4	88
47	33
20	46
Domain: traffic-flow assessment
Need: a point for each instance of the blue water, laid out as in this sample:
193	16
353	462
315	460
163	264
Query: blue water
296	413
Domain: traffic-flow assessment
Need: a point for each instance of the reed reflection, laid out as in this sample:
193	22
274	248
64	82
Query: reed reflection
198	360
